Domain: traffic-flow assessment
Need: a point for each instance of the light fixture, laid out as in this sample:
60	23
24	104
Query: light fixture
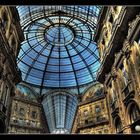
137	128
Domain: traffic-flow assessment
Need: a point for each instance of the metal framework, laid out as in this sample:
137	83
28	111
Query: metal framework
60	110
58	51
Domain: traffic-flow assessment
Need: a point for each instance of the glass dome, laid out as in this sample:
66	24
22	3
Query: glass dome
59	49
59	35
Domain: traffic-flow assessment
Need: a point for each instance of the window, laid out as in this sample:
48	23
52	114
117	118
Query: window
85	113
34	115
134	112
86	121
21	112
98	118
97	109
21	121
33	123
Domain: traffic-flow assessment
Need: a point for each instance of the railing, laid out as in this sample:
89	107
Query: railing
24	123
92	121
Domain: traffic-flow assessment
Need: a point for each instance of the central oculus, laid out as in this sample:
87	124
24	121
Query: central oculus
59	35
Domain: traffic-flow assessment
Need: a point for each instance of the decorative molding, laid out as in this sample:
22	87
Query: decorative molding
132	26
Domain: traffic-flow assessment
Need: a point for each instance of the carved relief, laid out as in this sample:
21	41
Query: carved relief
114	72
27	113
8	70
132	25
93	113
116	11
135	48
107	32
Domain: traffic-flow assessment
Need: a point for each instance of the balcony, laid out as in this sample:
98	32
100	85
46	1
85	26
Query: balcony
26	124
92	121
128	93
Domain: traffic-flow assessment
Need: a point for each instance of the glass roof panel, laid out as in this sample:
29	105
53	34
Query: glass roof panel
59	110
59	49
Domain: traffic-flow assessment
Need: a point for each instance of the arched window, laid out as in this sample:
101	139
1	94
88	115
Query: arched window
34	114
134	113
118	124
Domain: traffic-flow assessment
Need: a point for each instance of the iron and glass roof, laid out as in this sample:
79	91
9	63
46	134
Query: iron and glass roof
60	111
59	49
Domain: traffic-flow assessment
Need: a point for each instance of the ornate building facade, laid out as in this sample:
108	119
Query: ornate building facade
92	112
61	51
26	112
118	43
10	39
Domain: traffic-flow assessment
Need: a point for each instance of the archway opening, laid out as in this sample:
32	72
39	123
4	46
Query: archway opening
118	125
134	114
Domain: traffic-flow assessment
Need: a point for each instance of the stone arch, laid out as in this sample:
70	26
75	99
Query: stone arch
133	115
92	91
33	93
118	124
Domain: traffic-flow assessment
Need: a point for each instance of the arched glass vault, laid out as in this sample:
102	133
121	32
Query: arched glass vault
59	49
60	108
